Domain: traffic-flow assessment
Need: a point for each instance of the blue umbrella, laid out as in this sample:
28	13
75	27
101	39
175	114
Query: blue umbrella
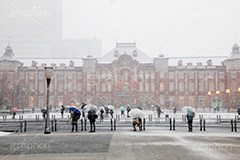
122	109
74	109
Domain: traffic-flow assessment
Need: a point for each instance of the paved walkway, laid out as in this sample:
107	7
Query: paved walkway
121	145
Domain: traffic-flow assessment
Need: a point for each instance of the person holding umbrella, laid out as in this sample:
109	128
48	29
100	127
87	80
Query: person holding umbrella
14	111
128	110
75	115
92	119
62	110
190	116
137	116
122	111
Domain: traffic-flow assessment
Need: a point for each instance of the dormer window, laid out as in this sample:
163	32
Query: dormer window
134	53
116	53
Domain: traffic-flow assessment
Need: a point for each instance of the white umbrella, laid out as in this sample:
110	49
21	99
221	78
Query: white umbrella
186	108
102	108
110	107
90	107
135	113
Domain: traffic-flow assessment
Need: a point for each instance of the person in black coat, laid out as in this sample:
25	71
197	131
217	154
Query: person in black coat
75	116
128	110
92	119
62	110
83	113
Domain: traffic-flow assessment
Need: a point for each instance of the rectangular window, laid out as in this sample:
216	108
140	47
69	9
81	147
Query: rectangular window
171	86
60	100
201	102
141	86
89	86
152	87
181	75
191	87
41	101
109	75
191	101
211	86
201	86
31	101
79	87
181	86
152	75
51	87
60	75
210	75
79	76
234	86
201	75
221	75
146	75
70	86
191	75
103	87
161	86
41	88
140	75
98	87
109	86
181	101
70	75
89	75
41	75
60	87
31	75
233	74
21	76
171	75
222	86
103	74
161	74
146	86
162	102
32	87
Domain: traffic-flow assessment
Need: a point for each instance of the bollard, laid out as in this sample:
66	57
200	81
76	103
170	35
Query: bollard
114	125
174	124
149	118
201	124
204	125
85	124
170	122
219	118
36	117
25	126
231	125
144	124
55	125
235	125
81	124
52	125
21	125
111	124
68	118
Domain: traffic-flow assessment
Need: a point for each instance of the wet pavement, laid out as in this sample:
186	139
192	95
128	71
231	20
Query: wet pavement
149	144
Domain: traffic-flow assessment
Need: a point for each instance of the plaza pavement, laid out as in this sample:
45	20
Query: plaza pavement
121	145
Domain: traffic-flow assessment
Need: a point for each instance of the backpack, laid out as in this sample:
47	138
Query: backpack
192	114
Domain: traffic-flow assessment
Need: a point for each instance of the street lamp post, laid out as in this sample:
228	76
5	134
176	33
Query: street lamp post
209	94
11	90
227	101
48	74
218	92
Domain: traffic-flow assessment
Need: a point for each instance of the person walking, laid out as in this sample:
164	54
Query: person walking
62	110
190	116
74	116
122	111
137	121
159	111
111	112
44	112
92	119
101	115
128	110
174	110
14	114
83	113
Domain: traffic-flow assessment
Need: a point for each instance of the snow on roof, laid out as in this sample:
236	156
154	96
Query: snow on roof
173	61
8	55
126	48
48	61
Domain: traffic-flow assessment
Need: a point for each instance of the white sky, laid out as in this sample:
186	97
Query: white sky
180	27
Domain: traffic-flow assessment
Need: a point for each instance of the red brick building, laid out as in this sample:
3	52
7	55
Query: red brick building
123	76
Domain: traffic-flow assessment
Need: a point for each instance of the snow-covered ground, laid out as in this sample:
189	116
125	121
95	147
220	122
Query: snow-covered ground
4	133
